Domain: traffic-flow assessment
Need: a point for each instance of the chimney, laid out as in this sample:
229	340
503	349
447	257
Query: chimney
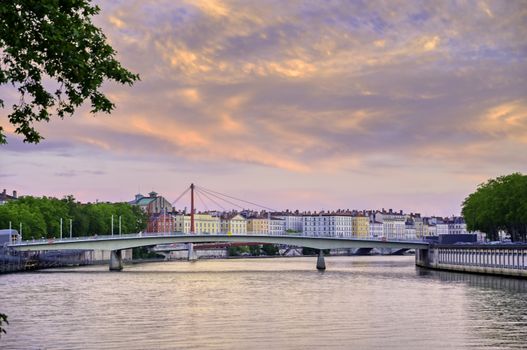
4	192
14	194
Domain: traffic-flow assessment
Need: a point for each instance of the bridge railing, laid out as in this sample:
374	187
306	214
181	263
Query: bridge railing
503	257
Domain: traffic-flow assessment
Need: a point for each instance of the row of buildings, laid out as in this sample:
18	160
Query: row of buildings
341	223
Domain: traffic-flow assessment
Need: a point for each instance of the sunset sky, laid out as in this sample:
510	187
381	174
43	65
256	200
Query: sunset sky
302	105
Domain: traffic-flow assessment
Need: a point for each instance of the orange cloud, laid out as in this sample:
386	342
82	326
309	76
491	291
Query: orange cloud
116	22
432	43
212	8
190	95
294	68
507	119
229	124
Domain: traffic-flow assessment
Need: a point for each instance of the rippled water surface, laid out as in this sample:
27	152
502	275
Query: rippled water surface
281	303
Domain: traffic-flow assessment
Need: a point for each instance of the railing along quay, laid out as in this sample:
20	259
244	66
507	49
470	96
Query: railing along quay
499	259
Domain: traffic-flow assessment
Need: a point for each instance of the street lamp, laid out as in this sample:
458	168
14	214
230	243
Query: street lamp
119	225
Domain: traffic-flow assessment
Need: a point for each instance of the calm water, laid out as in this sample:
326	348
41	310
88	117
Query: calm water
283	303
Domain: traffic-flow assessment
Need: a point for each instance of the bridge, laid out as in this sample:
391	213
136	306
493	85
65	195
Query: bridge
116	244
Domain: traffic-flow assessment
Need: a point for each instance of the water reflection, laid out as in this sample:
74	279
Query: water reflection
358	302
477	280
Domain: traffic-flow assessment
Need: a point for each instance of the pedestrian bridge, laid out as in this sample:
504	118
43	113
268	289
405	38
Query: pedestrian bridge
117	243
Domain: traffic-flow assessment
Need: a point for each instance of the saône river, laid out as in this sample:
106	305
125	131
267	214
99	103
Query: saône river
372	302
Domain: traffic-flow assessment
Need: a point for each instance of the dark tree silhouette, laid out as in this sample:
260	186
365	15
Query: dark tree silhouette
54	41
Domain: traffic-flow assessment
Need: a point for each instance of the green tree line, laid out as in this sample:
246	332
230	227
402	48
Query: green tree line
499	204
40	217
253	250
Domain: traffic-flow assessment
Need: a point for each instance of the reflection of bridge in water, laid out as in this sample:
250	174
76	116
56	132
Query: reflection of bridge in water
116	244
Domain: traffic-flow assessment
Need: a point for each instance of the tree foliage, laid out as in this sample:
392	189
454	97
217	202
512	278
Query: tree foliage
255	250
40	217
270	249
237	250
499	204
56	58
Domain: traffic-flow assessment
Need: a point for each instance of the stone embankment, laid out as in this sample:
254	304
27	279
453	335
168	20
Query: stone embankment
500	259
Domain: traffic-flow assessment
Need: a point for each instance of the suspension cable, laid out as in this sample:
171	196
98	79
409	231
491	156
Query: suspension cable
223	199
201	201
238	199
211	199
180	196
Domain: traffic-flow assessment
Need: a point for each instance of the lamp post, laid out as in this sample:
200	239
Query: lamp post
71	228
112	224
60	228
119	225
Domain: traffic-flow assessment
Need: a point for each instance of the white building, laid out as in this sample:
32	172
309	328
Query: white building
234	224
410	232
394	226
276	226
292	222
376	229
327	225
441	228
431	230
457	226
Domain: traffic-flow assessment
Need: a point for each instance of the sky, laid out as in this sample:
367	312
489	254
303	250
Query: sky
310	105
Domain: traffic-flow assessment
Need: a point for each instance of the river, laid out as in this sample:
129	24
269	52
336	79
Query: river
371	302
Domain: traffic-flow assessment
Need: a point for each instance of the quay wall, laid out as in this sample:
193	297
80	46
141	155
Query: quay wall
15	261
503	259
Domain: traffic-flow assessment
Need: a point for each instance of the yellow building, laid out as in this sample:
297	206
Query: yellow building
421	230
258	225
234	224
360	226
203	223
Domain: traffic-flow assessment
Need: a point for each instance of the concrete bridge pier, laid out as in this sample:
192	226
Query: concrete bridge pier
422	257
321	263
116	260
192	256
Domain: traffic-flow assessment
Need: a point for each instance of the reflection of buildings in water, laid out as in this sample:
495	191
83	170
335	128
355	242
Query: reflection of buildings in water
476	280
495	305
